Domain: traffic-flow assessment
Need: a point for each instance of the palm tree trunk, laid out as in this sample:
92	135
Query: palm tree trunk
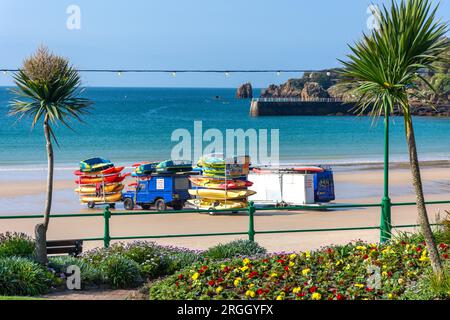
41	229
421	209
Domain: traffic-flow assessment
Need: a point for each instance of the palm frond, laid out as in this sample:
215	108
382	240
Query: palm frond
42	92
385	63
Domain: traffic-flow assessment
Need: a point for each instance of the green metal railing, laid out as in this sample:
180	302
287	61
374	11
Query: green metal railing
250	210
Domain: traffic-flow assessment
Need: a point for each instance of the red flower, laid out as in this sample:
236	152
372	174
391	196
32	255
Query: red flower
260	291
312	289
369	289
252	274
220	280
340	297
301	294
176	283
365	256
266	260
329	251
280	261
419	248
226	269
443	246
211	282
204	268
180	276
286	268
445	256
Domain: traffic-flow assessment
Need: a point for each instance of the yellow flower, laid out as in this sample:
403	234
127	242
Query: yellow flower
339	262
390	296
219	289
359	285
251	285
244	268
296	290
384	274
292	256
307	254
250	293
291	264
316	296
195	276
401	281
306	271
237	281
246	261
280	298
361	248
274	275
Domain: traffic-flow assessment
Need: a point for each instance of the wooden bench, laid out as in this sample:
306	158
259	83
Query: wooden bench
70	247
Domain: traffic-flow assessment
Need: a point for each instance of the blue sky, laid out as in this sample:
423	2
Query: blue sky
182	34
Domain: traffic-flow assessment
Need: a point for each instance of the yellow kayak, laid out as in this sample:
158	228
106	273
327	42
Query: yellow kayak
114	187
206	204
221	194
115	197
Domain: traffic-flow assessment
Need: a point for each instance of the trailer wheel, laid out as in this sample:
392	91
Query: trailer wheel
160	205
145	206
91	204
128	204
212	212
112	205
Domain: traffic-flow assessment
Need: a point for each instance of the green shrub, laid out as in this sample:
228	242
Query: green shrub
154	260
430	287
16	244
90	275
22	277
234	249
121	272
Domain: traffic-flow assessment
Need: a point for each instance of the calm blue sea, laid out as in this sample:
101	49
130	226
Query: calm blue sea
127	125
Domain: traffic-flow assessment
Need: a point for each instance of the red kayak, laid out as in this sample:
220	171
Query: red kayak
107	179
109	171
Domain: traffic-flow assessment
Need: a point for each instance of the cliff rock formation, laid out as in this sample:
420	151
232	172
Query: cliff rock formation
313	90
245	91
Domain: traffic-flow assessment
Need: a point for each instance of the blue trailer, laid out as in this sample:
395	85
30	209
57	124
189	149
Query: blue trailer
161	191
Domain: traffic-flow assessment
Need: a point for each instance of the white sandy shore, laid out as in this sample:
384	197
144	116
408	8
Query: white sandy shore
352	186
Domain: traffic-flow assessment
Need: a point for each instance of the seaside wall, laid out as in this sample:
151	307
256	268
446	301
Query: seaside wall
299	108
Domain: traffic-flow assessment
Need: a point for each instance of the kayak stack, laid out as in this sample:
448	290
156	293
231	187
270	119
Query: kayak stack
222	183
99	182
145	170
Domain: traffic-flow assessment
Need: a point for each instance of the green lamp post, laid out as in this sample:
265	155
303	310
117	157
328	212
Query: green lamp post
385	225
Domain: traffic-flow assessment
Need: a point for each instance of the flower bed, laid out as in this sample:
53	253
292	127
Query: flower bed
333	273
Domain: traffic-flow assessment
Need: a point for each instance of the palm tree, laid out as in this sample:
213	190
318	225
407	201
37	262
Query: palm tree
385	67
47	90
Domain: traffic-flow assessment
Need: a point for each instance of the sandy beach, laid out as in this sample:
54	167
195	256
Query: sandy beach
354	184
